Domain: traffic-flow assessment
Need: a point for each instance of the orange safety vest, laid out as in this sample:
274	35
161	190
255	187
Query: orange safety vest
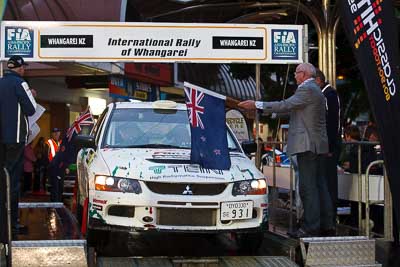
53	145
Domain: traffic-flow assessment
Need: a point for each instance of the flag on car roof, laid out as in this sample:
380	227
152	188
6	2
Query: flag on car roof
206	111
66	153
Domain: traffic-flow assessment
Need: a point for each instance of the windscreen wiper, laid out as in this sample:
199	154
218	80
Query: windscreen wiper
156	146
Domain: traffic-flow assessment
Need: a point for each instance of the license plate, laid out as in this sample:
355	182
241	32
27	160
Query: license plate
236	210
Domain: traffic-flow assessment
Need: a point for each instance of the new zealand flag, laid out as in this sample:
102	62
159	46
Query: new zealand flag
66	154
206	111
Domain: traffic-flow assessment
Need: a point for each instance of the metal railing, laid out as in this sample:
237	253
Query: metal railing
274	190
387	202
388	217
8	211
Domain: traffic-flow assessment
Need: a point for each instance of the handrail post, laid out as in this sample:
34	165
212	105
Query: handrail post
273	175
359	190
8	199
291	197
376	162
388	206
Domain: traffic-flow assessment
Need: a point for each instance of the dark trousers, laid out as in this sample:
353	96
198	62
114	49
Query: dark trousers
57	185
3	200
13	161
332	179
27	182
314	192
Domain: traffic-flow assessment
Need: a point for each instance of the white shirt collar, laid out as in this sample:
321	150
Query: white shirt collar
309	79
326	86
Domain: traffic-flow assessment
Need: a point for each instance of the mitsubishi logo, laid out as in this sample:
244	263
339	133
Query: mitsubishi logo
187	191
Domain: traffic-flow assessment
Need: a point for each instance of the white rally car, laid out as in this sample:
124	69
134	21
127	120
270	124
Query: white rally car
134	175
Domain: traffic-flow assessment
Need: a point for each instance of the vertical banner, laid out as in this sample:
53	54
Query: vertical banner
372	31
206	111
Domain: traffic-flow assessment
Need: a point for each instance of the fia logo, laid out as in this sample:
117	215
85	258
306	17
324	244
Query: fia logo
19	41
285	44
284	37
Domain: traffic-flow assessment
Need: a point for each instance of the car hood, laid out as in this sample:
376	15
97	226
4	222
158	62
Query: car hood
173	165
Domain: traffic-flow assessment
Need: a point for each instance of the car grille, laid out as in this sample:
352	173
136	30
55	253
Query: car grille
179	189
186	217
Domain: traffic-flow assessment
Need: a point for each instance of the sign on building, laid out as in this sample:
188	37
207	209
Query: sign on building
152	42
122	88
237	123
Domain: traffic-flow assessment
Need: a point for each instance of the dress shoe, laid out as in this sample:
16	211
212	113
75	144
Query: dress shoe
328	232
299	234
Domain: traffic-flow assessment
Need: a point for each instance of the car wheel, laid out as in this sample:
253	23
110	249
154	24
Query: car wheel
249	243
97	238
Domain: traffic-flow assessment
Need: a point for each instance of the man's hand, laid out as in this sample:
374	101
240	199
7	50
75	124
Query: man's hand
248	105
33	91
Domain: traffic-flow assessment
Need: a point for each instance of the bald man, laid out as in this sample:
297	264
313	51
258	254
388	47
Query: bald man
307	139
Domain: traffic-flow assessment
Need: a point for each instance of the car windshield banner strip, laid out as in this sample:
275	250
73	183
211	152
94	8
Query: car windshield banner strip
371	29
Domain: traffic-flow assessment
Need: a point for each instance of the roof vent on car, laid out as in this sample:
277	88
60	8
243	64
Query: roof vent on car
167	104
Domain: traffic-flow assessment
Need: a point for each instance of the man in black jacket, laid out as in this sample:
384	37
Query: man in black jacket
16	104
334	139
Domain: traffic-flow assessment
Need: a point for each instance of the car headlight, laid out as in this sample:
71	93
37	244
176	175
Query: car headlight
116	184
250	187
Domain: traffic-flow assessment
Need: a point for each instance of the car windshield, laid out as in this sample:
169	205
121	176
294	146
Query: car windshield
151	128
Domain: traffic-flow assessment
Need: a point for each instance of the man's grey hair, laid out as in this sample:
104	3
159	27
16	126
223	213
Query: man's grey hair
309	69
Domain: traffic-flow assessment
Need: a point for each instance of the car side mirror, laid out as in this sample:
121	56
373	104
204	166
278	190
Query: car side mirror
85	141
249	147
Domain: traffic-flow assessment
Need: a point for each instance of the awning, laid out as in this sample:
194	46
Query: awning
218	78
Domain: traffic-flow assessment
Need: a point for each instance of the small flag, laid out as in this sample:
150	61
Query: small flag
206	111
66	153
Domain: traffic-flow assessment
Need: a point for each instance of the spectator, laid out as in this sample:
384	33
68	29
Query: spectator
16	104
307	139
41	164
29	160
350	155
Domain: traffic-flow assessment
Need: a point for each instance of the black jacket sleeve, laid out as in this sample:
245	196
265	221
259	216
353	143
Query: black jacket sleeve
332	118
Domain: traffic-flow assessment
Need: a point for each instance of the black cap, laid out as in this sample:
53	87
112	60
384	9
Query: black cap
15	62
56	130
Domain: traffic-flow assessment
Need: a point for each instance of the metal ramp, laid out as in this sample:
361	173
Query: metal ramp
52	238
49	253
240	261
338	251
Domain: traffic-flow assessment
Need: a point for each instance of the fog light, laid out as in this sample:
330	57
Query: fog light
147	219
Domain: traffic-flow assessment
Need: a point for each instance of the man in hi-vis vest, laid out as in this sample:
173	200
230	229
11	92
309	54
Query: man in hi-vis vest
53	143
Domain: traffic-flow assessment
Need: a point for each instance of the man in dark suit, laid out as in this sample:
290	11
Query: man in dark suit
334	138
307	139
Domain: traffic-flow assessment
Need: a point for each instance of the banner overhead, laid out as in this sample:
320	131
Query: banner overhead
371	28
152	42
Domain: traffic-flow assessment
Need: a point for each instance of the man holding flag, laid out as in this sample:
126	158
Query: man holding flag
66	155
206	111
